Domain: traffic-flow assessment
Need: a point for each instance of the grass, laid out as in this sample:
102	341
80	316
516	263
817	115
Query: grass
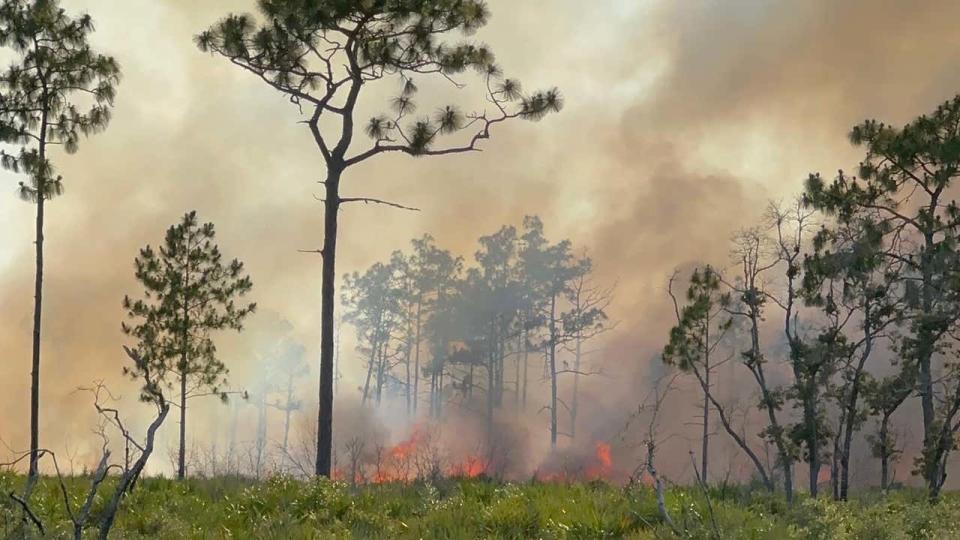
286	508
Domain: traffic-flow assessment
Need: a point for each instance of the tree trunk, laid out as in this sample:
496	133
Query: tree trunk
409	385
526	363
924	355
327	299
181	456
127	480
374	347
490	400
728	427
575	400
288	410
553	372
261	434
850	414
38	295
836	458
35	363
704	451
516	396
381	371
813	442
885	452
786	460
416	359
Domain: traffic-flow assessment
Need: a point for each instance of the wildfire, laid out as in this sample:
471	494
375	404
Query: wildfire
419	456
600	469
595	466
603	455
823	475
412	458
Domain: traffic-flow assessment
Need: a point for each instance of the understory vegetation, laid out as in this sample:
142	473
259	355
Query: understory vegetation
283	507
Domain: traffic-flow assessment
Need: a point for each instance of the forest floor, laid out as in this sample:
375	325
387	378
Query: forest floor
285	508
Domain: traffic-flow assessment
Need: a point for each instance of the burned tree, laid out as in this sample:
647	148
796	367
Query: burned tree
322	54
585	320
56	90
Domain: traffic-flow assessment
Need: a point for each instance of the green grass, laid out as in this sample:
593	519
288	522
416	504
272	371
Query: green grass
286	508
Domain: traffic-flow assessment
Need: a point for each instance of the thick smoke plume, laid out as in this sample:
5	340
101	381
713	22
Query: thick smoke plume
682	119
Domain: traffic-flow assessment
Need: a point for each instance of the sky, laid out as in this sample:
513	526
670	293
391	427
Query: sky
681	120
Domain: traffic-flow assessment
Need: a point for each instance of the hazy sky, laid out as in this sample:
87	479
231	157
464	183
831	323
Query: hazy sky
681	118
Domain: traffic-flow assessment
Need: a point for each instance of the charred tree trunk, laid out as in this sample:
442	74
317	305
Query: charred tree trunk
327	299
35	362
38	299
705	448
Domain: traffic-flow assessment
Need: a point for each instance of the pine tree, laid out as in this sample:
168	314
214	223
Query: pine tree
702	325
189	293
321	54
906	183
54	64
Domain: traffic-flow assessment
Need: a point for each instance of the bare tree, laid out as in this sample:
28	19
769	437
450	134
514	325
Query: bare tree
586	320
751	253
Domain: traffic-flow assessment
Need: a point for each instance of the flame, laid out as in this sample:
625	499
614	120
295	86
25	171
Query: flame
601	467
471	468
603	455
596	466
823	475
417	455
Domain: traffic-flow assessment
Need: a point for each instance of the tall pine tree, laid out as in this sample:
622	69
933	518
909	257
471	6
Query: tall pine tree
54	65
322	54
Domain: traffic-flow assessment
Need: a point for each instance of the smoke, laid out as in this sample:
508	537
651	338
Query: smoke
681	119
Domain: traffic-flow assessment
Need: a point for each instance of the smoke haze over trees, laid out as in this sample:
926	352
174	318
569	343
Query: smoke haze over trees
521	345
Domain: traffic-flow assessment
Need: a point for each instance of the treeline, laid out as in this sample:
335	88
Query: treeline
861	278
433	330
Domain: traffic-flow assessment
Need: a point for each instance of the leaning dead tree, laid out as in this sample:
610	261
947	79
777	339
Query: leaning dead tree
137	452
651	408
322	54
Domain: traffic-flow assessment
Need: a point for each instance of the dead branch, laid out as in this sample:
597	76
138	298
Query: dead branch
370	200
29	513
